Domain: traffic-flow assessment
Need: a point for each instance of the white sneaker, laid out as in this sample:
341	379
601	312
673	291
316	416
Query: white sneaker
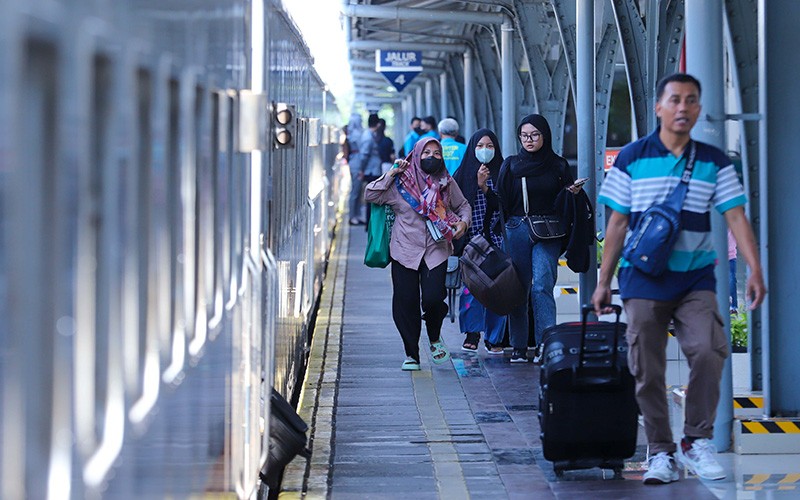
701	460
661	469
537	354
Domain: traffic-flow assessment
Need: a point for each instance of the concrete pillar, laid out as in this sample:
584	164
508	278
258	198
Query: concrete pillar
469	97
585	104
444	111
428	97
420	109
780	228
704	45
509	130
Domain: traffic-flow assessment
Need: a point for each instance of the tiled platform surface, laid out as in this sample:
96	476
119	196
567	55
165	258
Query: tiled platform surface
467	428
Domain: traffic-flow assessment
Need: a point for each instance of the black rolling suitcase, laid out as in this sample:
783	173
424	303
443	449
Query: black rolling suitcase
587	407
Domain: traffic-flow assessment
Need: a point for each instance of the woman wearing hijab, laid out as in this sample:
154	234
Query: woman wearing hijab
430	211
546	174
477	178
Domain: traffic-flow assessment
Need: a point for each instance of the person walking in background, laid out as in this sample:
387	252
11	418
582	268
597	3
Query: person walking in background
385	147
369	163
477	178
430	211
354	132
545	174
412	137
644	174
452	151
428	127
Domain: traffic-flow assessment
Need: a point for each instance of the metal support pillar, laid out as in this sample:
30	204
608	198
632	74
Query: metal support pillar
420	111
428	97
469	96
585	104
508	139
780	227
443	104
704	44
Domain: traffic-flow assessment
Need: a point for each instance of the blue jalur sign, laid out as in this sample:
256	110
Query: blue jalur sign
398	66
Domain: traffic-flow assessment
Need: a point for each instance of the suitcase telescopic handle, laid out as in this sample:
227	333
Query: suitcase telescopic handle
585	310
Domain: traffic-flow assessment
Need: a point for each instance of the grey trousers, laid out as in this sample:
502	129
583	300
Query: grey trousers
698	328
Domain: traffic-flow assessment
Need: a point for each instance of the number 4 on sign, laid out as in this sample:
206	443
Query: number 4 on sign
399	79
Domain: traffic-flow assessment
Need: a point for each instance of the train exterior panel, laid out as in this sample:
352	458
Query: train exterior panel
161	256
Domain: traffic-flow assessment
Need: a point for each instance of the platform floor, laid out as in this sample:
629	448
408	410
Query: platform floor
467	428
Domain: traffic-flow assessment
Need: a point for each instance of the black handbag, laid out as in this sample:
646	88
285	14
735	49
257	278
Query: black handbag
541	227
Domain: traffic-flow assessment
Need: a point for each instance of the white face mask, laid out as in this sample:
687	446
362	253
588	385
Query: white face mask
484	155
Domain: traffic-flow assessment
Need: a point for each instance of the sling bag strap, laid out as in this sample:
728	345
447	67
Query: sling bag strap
678	194
525	196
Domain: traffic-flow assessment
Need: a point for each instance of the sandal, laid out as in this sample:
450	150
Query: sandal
439	352
493	348
410	365
471	342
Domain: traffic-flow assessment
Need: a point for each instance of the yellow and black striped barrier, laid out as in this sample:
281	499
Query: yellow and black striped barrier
770	426
748	402
782	482
569	290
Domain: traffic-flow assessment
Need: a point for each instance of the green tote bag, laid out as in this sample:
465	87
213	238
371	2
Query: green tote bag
378	235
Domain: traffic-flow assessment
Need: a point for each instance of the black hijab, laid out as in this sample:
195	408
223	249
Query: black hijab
467	174
536	163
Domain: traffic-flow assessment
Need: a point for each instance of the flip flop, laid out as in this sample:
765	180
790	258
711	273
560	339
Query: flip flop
439	352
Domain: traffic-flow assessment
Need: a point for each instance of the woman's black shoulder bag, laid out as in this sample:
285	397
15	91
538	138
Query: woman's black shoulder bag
541	227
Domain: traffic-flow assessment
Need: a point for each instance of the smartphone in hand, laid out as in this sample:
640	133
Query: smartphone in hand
580	182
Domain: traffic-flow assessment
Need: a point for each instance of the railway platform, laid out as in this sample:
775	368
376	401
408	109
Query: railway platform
467	428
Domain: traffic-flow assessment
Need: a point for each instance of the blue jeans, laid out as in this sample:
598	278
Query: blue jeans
537	262
473	317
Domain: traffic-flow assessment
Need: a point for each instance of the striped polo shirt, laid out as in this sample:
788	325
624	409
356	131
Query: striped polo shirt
644	174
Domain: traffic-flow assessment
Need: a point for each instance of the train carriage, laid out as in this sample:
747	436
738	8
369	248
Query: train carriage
163	240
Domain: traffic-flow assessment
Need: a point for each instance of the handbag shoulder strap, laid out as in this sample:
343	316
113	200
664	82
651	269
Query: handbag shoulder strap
678	194
525	195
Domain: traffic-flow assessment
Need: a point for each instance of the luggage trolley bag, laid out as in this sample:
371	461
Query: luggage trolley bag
587	407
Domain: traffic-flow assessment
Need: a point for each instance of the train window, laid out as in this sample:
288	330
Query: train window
199	230
141	350
214	283
99	365
234	197
222	214
29	377
175	336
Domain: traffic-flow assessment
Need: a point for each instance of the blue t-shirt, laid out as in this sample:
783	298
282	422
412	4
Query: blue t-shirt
452	154
644	174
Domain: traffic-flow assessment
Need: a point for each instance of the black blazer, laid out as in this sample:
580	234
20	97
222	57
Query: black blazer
577	214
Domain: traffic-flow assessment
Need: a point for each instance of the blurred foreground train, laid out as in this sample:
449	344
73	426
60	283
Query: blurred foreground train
168	192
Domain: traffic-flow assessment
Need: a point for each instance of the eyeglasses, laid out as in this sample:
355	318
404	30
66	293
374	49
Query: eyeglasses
530	137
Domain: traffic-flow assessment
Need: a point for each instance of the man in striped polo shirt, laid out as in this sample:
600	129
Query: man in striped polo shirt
644	174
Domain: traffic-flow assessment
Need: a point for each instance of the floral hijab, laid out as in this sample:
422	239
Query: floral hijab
428	194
